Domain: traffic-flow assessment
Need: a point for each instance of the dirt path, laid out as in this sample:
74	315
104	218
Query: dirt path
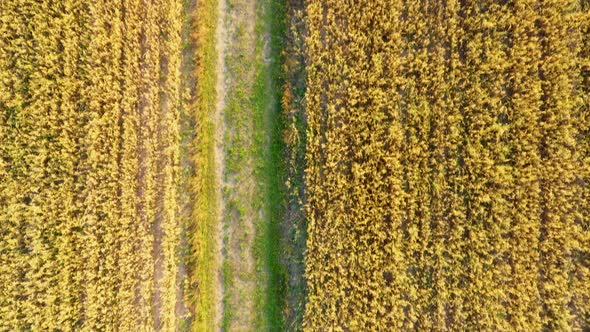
238	190
242	127
220	158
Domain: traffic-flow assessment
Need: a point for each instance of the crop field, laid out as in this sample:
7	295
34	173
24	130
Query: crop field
294	165
447	166
90	95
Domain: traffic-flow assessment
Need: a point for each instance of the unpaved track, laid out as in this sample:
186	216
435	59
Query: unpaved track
220	157
237	187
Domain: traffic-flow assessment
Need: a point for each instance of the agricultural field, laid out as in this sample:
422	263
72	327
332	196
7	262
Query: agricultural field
90	95
447	166
294	165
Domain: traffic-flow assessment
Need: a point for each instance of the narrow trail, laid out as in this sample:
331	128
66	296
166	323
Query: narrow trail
244	120
243	192
221	37
235	146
